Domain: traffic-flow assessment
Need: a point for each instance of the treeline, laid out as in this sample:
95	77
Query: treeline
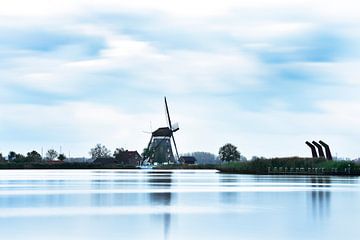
228	152
229	160
99	151
31	157
203	157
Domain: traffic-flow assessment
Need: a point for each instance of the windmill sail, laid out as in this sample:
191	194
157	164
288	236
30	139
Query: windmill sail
167	113
175	127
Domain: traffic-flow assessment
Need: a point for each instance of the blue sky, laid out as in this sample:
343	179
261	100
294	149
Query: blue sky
265	76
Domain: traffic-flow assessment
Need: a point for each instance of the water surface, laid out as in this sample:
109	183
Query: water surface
143	204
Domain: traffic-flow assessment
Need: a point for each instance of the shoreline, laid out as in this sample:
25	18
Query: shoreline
351	174
276	166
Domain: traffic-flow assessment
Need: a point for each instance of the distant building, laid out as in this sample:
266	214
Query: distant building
123	157
128	158
203	157
188	160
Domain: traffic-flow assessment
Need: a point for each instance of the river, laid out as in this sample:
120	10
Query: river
176	205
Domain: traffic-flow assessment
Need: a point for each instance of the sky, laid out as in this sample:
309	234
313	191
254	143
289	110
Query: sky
265	76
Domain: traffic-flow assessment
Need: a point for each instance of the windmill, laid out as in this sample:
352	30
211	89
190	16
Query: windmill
159	149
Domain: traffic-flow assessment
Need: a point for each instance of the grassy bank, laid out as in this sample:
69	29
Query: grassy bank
291	166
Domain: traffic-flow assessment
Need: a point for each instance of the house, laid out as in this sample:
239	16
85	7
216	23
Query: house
187	160
123	157
128	158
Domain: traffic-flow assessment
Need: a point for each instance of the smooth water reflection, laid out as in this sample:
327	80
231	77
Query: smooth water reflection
132	204
320	199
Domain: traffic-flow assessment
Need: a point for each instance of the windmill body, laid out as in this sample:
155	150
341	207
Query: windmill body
160	146
159	149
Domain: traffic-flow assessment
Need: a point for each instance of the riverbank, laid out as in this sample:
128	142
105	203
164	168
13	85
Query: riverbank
274	166
285	166
63	165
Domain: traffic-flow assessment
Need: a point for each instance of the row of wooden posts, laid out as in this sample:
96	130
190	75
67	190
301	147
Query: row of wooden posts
286	170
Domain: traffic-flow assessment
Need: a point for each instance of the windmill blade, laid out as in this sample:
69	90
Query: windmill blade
167	113
150	142
176	150
148	147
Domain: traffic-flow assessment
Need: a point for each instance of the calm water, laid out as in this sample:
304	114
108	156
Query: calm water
131	205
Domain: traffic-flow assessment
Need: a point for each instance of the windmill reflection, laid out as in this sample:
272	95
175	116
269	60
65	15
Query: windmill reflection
161	180
320	196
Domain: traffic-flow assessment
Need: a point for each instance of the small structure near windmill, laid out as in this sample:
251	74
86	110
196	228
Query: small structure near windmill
188	160
121	156
159	149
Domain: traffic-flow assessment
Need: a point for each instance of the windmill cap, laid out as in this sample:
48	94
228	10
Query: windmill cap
162	132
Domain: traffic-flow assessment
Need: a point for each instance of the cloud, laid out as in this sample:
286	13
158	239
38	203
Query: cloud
74	125
264	75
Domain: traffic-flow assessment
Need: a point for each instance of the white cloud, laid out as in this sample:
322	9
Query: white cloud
175	7
347	72
206	80
74	125
269	132
175	71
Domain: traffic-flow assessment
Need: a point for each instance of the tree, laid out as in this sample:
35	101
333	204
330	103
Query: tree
33	156
2	159
16	157
51	154
61	157
147	153
19	158
99	151
119	155
118	150
228	153
12	156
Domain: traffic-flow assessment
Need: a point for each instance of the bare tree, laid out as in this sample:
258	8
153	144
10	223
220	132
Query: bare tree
51	154
99	151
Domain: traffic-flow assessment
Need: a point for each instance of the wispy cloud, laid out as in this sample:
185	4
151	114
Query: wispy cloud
262	75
